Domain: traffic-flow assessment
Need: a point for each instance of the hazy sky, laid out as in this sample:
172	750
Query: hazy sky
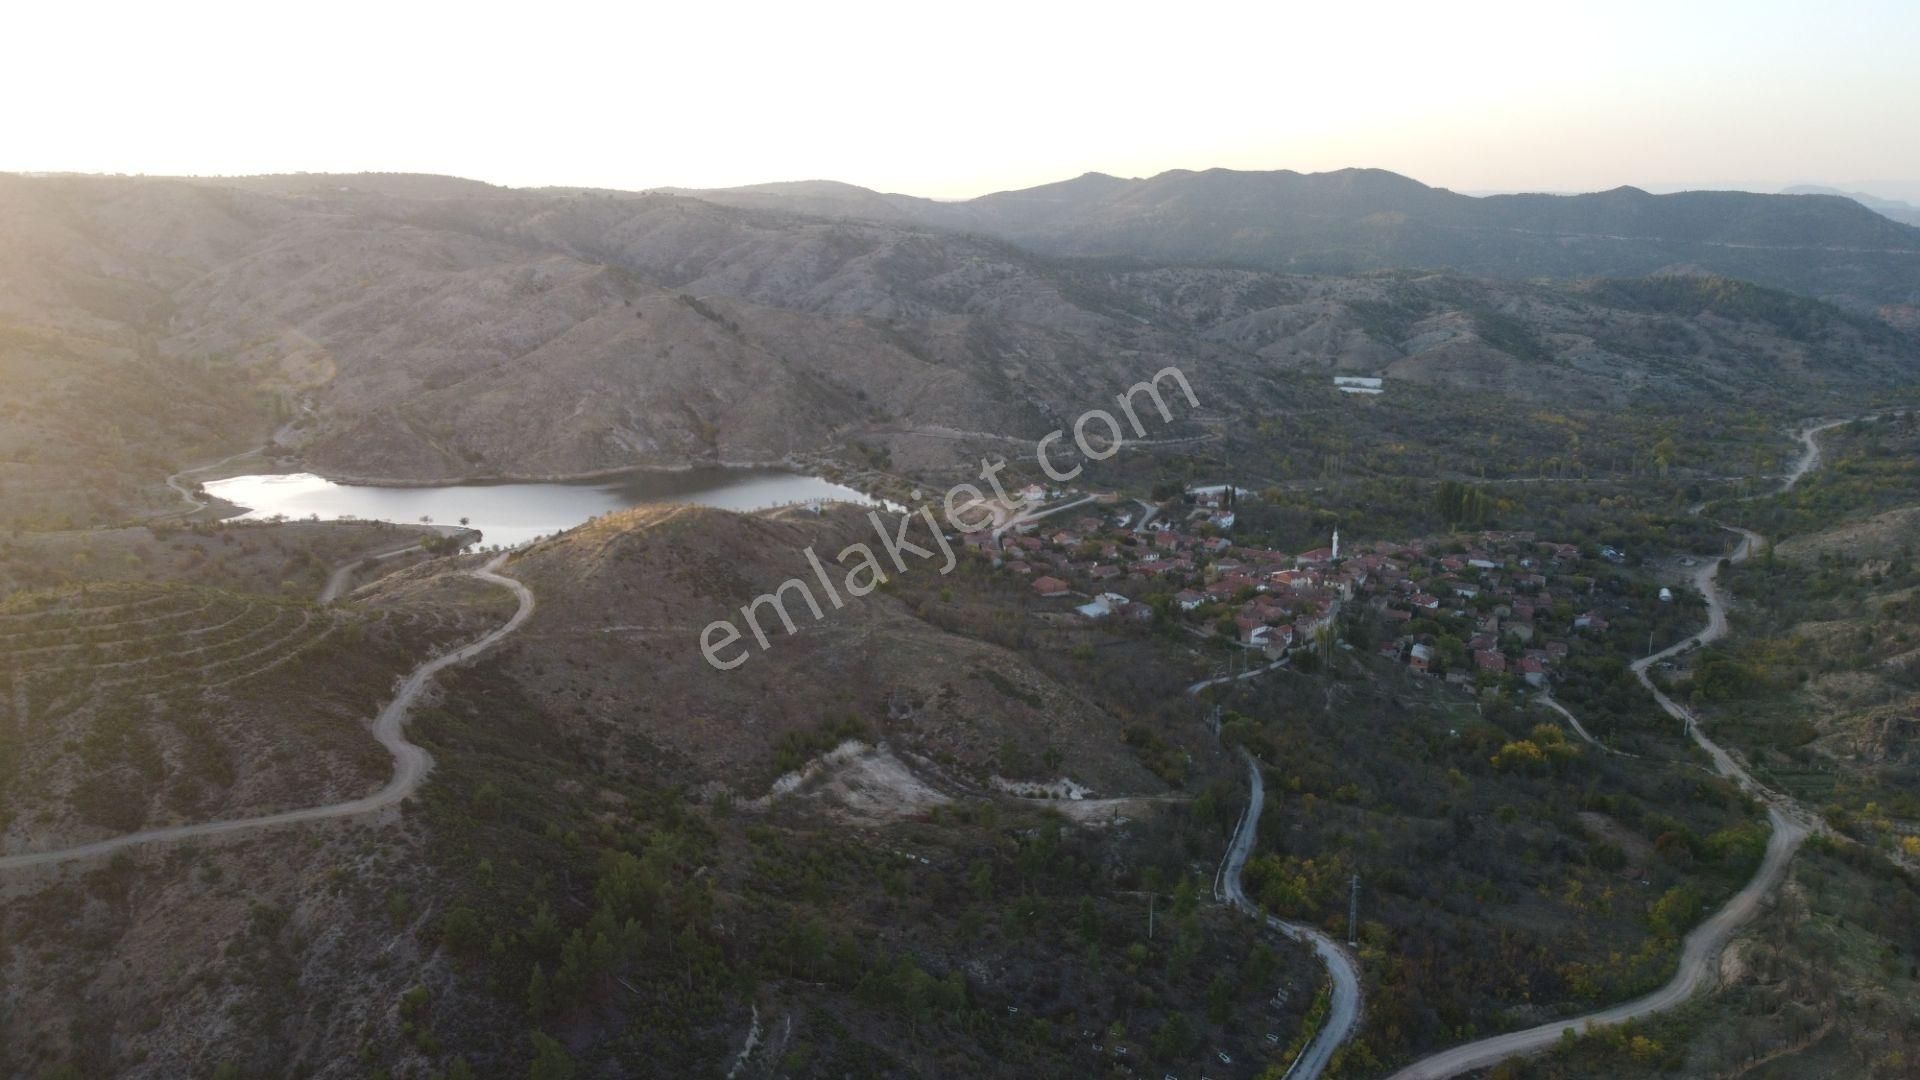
960	99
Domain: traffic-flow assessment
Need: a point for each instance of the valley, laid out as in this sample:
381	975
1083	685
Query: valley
1316	733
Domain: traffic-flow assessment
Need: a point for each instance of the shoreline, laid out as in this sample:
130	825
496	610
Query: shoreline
787	462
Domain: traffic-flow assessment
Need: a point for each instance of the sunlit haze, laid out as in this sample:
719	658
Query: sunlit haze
958	100
972	540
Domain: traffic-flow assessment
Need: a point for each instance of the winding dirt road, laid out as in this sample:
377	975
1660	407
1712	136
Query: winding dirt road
1701	949
1343	1009
1578	728
342	574
1810	449
178	482
411	763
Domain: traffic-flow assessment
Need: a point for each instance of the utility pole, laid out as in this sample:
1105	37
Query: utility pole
1353	914
1149	916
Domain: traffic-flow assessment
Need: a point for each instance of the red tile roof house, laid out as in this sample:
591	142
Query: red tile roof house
1488	660
1533	671
1252	628
1420	657
1104	571
1241	581
1317	555
1050	586
1188	599
1422	600
1590	621
1166	540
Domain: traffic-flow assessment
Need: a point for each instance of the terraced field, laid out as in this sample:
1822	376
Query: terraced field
127	706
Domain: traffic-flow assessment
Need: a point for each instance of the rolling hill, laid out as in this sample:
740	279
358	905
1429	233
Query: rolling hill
1365	219
421	328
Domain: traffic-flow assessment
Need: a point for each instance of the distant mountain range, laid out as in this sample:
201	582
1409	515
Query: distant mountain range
1904	212
424	328
1353	220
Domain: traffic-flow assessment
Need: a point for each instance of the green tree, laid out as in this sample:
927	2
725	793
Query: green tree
550	1060
539	994
1174	1038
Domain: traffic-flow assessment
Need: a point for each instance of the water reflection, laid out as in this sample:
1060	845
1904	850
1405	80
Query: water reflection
513	513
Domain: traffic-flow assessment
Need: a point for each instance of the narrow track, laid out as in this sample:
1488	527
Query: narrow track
411	763
1700	951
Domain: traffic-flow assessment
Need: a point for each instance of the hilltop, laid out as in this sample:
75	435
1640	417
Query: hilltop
624	602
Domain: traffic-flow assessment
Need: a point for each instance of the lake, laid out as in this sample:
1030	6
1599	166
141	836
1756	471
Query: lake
513	513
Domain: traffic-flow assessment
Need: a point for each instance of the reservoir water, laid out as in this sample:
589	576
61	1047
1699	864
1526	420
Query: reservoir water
513	513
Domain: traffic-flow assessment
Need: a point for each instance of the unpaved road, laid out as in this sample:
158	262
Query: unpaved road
1250	673
342	574
411	763
1578	728
1026	515
178	482
1810	448
1343	1010
1700	952
1698	956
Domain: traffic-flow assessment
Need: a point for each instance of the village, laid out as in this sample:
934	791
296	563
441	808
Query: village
1482	609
